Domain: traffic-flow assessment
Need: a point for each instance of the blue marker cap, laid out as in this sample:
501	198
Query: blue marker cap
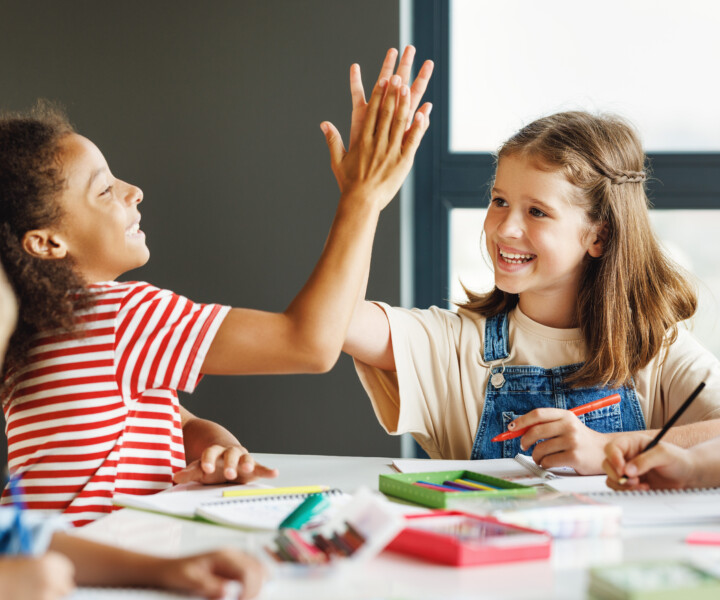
313	505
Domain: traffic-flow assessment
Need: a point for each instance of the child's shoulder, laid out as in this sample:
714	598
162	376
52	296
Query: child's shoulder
117	290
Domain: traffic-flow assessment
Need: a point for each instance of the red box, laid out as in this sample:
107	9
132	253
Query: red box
461	539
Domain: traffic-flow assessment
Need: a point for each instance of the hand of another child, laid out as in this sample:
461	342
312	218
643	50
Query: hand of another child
562	440
417	90
220	464
382	147
665	466
36	578
208	574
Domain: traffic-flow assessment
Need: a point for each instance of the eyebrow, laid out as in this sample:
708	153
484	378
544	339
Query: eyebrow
95	175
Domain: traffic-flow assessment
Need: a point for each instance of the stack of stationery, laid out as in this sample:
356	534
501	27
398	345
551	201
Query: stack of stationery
523	496
250	506
357	531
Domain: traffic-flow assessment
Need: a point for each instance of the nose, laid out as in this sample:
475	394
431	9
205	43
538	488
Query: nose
510	225
133	194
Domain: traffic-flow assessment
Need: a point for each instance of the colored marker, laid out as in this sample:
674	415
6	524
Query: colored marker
477	484
435	486
460	486
578	410
312	506
278	491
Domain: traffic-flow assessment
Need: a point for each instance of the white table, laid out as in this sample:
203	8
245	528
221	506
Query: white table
564	576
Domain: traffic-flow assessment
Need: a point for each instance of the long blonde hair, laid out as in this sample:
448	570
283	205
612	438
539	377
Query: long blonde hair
632	297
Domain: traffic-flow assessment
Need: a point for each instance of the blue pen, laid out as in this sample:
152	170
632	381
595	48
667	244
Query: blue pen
313	505
19	527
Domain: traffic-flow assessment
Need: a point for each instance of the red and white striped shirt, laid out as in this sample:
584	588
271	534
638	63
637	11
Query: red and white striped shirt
98	414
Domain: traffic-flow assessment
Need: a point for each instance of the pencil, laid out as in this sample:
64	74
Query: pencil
671	421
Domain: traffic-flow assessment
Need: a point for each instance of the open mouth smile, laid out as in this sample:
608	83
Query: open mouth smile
515	258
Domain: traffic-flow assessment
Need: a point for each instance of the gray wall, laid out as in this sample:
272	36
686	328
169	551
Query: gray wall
213	110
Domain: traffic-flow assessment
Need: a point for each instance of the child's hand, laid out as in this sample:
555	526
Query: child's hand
36	578
220	464
208	574
382	148
566	440
403	71
665	466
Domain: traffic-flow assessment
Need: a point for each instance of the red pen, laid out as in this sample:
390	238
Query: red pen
578	410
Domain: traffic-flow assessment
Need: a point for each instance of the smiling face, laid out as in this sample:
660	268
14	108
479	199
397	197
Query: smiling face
99	227
538	238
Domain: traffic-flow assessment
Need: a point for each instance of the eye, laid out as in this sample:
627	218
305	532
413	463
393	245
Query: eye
107	190
497	201
536	212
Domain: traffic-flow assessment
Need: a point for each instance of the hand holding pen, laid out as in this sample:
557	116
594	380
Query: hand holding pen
638	461
562	439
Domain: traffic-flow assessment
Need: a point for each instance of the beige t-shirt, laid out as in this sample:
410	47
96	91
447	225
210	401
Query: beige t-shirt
437	393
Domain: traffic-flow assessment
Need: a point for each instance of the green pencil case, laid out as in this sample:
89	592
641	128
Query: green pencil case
402	486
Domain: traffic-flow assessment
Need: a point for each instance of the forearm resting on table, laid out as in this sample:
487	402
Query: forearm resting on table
706	458
689	435
98	564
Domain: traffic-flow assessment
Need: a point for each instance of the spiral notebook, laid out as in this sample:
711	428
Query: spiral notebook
265	512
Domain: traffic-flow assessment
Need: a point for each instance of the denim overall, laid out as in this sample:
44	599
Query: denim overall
513	391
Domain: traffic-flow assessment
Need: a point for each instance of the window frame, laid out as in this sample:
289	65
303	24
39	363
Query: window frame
444	180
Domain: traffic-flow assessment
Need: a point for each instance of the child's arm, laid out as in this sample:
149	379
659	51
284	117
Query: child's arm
666	466
46	577
309	335
202	574
566	441
214	455
368	338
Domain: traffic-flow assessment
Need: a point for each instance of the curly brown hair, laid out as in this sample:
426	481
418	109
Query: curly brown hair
48	291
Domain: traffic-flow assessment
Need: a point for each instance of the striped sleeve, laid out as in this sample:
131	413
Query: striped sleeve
161	339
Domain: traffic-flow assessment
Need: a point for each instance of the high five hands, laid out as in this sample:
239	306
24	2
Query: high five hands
384	133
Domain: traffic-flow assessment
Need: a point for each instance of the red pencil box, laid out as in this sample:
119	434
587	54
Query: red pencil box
462	539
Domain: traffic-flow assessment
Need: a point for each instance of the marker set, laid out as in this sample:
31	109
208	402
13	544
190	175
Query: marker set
443	489
458	485
293	548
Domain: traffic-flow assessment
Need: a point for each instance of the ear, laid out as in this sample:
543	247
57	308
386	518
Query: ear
599	237
44	244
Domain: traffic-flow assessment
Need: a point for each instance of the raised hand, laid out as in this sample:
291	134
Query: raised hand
385	131
404	68
376	165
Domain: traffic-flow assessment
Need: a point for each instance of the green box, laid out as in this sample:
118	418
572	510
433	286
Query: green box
659	580
401	486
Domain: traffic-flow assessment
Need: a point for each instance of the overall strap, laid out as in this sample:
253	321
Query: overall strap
496	336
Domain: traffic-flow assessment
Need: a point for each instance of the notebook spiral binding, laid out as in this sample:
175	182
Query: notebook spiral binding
674	492
266	498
